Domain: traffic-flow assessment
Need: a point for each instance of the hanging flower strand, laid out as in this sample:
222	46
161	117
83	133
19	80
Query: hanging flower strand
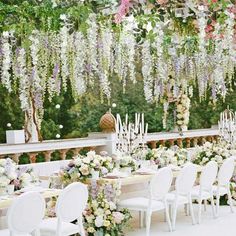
6	61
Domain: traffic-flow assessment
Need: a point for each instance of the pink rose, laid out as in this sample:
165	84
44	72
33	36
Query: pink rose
118	217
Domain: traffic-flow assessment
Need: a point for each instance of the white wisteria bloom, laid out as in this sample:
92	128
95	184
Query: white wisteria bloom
6	60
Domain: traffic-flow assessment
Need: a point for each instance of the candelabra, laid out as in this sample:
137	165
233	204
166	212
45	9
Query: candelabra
130	136
227	126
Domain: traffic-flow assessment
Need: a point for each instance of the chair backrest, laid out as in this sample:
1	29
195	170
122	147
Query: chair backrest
26	213
208	175
186	178
161	183
72	202
226	172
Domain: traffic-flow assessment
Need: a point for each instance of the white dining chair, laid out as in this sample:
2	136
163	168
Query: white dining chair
25	215
223	183
156	201
204	190
70	205
182	194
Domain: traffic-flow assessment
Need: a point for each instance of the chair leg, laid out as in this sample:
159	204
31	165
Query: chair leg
36	232
141	219
217	204
148	222
205	204
186	209
81	227
213	206
199	210
191	210
167	216
174	215
230	202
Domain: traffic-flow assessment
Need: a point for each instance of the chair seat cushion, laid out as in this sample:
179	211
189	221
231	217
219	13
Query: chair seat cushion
6	232
171	198
140	203
196	193
222	190
49	226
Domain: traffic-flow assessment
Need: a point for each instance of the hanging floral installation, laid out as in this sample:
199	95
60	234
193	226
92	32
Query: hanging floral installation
177	45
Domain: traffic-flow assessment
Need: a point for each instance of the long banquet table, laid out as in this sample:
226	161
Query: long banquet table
140	178
135	179
6	201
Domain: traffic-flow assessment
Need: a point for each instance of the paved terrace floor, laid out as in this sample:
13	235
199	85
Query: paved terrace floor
225	225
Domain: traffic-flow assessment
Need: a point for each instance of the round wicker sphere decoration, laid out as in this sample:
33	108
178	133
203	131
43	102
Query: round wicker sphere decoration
107	123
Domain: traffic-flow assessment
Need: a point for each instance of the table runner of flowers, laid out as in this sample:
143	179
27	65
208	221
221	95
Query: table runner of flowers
19	177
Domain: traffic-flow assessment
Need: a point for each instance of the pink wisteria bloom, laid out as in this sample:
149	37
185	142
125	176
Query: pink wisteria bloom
123	10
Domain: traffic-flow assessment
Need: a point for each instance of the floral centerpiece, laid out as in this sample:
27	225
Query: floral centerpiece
82	167
164	156
127	162
182	109
25	177
18	177
212	152
7	173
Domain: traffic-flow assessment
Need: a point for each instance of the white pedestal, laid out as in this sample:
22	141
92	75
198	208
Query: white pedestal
111	142
15	136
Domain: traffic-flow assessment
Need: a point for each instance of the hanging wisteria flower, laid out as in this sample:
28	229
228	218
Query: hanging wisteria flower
6	60
147	70
80	45
64	34
92	55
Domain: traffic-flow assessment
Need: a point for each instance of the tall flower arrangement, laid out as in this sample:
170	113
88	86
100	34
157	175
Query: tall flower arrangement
182	109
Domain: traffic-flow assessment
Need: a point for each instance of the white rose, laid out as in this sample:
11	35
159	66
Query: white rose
2	162
84	169
25	179
112	205
12	175
91	154
96	161
99	221
4	181
208	153
2	170
86	160
94	204
77	161
219	159
90	218
181	162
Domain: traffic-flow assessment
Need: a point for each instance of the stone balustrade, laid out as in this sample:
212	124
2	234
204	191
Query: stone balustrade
101	141
47	148
190	138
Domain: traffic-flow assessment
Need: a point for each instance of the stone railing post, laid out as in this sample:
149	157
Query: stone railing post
110	146
47	155
63	153
33	157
